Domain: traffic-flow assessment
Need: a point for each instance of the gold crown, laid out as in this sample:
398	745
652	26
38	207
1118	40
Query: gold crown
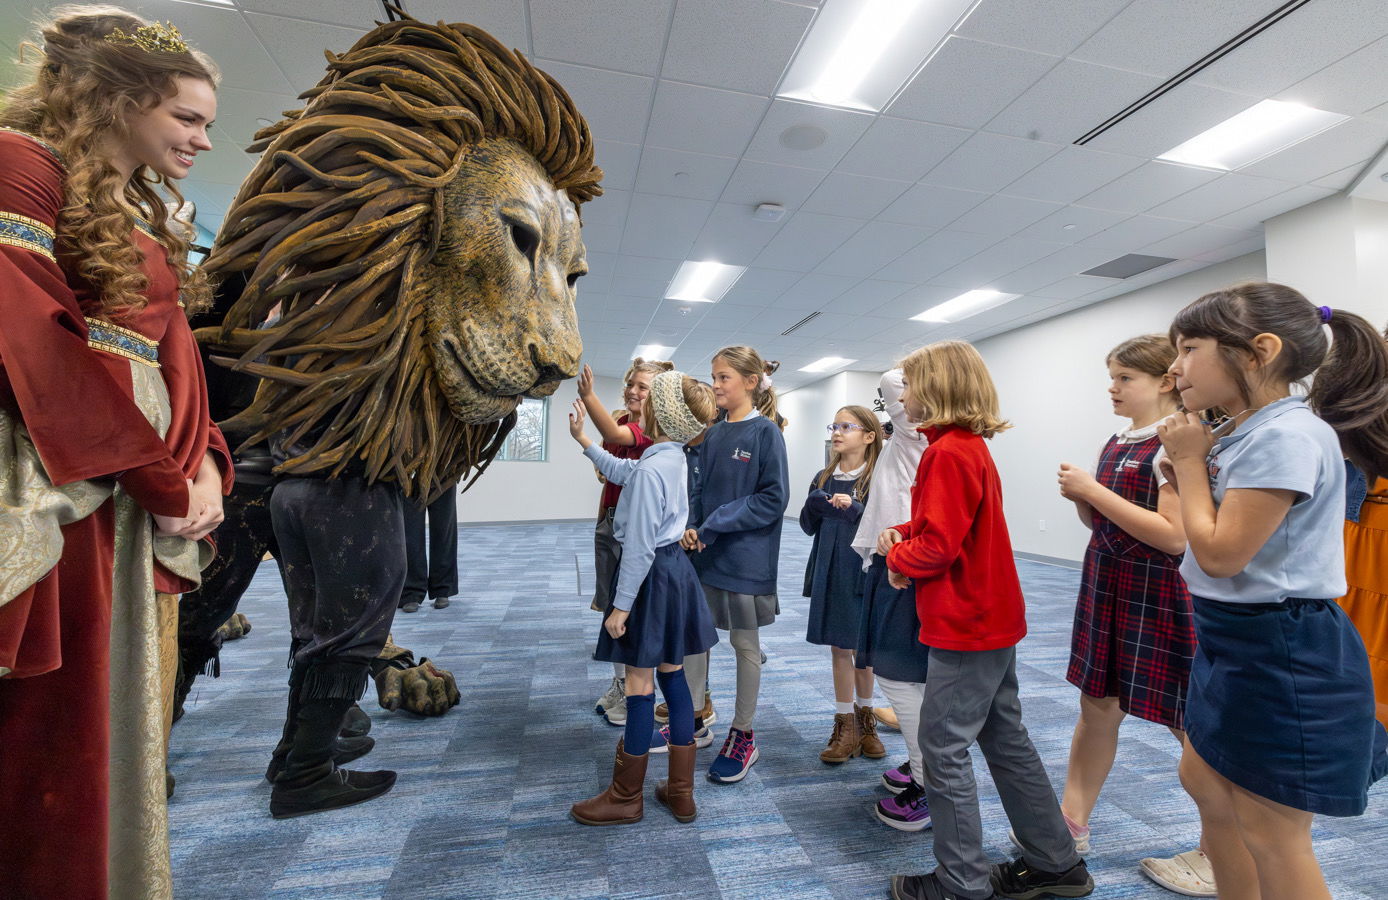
157	37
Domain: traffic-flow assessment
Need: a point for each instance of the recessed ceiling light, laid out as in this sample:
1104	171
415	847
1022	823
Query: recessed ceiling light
967	304
703	281
652	351
858	55
827	364
1256	133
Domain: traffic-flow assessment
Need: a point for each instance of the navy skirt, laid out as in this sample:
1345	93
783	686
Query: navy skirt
1282	705
669	620
889	635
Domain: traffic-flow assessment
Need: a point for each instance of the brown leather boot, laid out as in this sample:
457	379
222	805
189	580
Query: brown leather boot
867	727
845	743
622	802
678	792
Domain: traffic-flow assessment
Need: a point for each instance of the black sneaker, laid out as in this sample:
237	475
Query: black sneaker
922	887
1018	881
442	602
410	606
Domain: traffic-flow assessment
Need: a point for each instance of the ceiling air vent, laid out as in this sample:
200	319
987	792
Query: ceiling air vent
1128	266
810	318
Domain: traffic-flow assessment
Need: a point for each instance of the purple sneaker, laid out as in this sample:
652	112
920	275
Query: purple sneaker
906	811
898	779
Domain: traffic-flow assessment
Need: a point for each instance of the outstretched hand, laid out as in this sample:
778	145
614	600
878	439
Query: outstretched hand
576	417
585	382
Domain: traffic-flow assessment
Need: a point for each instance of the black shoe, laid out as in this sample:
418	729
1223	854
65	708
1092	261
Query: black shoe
169	782
356	723
344	751
333	791
410	606
442	602
1018	881
922	887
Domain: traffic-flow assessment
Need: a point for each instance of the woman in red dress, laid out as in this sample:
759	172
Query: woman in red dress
107	453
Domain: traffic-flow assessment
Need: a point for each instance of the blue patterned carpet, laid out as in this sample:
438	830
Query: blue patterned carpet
480	809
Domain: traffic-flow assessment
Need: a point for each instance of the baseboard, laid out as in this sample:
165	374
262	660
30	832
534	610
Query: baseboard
1049	560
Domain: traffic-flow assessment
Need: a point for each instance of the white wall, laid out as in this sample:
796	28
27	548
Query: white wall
1052	386
808	409
1335	251
562	487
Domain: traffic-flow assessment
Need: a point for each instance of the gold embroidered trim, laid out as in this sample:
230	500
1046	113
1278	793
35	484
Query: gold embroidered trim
121	351
122	342
52	151
27	234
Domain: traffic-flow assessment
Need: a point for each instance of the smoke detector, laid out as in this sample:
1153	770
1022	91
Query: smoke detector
769	212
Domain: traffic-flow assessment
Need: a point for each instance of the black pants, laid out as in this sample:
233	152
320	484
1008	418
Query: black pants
438	574
342	560
242	539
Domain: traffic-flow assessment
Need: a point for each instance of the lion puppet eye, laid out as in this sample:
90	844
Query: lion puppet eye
525	237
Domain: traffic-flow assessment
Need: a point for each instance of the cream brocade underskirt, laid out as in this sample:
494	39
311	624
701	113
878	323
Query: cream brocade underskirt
31	544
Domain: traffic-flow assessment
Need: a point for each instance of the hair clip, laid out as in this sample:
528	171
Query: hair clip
157	37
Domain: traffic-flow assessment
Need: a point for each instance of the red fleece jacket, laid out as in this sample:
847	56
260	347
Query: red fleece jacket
957	550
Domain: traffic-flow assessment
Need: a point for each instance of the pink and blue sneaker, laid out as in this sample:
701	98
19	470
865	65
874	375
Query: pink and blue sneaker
660	739
907	811
738	755
898	779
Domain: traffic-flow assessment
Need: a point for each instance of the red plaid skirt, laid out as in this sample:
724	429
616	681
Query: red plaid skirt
1134	636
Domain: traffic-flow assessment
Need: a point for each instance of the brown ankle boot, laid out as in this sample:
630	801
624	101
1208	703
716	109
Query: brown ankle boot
678	792
622	802
867	727
846	741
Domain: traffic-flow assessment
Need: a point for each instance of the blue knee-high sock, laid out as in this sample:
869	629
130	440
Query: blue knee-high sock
676	691
640	724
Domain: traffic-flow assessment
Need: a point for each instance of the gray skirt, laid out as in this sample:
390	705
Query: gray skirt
733	610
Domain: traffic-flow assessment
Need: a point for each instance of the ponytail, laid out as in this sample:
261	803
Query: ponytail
1350	391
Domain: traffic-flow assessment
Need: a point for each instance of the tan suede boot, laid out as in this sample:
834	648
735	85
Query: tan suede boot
622	802
678	792
867	727
846	741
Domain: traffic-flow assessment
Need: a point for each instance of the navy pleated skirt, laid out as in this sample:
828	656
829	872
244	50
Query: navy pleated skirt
889	634
1281	703
669	620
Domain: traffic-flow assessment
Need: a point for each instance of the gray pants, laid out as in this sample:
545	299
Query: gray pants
747	645
972	696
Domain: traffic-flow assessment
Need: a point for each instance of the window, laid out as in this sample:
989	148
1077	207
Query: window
526	442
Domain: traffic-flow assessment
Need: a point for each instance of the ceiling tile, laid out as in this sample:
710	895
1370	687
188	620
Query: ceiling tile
598	281
913	302
805	240
1344	178
614	103
619	163
1063	263
754	43
1351	86
931	206
1072	173
869	295
225	163
754	183
286	39
1326	153
1069	100
663	227
814	291
502	19
824	328
1148	185
854	196
1072	224
872	248
1171	120
238	110
903	150
1139	231
682	113
966	83
1163	38
224	35
1251	217
1197	240
934	255
351	13
731	236
988	162
681	174
1016	23
983	269
1227	193
628	35
1073	286
763	279
1002	215
609	209
839	128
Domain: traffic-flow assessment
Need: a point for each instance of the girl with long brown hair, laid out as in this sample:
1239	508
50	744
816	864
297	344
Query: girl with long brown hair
100	379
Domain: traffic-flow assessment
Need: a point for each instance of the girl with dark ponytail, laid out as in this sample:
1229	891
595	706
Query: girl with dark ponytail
1262	503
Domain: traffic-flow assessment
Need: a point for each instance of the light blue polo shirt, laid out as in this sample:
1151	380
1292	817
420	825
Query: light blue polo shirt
1283	446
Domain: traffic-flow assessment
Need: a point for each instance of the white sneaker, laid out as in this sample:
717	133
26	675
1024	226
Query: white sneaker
616	714
616	693
1186	873
660	740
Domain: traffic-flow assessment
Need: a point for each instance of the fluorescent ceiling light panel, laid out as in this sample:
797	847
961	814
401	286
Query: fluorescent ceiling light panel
827	364
967	304
703	282
858	53
652	351
1256	133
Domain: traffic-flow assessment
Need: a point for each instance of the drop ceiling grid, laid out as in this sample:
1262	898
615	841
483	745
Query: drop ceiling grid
672	83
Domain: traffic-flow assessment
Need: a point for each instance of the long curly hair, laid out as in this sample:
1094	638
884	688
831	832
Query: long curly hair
343	208
83	91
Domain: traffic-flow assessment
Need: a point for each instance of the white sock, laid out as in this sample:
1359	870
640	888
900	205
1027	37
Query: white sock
843	709
865	702
619	670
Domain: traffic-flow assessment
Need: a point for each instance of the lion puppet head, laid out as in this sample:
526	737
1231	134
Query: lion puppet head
416	229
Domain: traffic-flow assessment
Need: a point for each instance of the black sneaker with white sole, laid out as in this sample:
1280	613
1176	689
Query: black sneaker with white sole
1019	881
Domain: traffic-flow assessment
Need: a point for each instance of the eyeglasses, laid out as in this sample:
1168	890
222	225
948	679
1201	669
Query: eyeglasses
844	427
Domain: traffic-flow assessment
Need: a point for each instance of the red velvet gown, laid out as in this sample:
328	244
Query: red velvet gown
77	404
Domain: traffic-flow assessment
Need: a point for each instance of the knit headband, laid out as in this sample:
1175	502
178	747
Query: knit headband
671	412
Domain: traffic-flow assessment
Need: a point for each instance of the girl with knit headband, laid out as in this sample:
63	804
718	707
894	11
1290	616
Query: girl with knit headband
657	615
